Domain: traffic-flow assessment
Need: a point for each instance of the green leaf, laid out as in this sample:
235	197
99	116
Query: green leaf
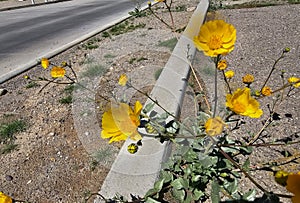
151	193
167	176
196	178
164	116
246	165
215	190
246	150
250	195
180	183
188	198
150	200
197	194
148	107
231	187
178	195
159	184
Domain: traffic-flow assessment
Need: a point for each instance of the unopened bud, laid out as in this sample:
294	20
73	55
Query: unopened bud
286	50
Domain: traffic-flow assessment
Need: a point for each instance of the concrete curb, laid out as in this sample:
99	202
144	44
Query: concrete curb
55	52
136	174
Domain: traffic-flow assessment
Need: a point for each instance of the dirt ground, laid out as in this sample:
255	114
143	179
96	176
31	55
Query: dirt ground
52	163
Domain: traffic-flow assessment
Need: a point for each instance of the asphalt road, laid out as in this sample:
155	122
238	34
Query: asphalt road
29	34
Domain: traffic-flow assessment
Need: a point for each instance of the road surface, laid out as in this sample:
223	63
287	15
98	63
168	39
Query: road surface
29	34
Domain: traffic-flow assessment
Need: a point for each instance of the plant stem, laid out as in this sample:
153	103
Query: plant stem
226	81
216	60
272	70
241	169
200	86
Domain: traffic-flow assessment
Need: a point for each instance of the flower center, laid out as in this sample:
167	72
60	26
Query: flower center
215	42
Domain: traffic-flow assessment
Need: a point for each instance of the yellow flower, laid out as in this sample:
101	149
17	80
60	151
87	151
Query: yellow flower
4	198
242	103
121	122
45	63
123	80
222	65
248	79
132	148
281	177
266	91
293	186
214	126
57	72
229	74
64	64
216	37
295	81
160	0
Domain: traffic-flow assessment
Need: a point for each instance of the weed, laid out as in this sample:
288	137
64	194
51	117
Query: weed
101	156
8	130
66	100
208	71
109	56
171	43
7	148
94	70
180	8
31	84
87	60
141	59
138	13
69	89
132	60
123	28
294	1
91	44
106	34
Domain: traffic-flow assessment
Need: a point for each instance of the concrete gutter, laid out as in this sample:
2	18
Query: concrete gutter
136	174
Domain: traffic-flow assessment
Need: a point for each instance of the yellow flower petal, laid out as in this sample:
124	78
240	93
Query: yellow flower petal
216	37
229	74
57	72
123	80
45	63
248	79
121	122
4	198
266	91
281	177
222	65
214	126
293	186
243	104
295	81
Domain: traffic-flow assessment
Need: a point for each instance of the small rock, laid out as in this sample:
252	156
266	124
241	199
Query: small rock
190	9
3	91
9	178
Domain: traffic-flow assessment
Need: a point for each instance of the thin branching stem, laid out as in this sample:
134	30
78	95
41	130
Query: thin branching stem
200	86
226	81
242	170
272	70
